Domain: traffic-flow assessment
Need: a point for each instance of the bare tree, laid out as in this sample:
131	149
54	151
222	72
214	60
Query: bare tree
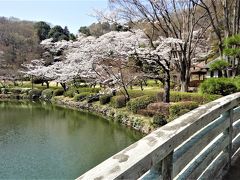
169	18
224	16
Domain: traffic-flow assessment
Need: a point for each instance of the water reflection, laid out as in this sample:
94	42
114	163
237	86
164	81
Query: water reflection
41	141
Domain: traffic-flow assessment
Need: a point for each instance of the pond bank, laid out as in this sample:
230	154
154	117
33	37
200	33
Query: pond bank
134	121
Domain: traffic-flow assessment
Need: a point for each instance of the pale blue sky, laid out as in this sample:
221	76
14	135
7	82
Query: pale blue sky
72	13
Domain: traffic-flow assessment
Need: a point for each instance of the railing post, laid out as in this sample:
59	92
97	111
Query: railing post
229	132
155	172
167	167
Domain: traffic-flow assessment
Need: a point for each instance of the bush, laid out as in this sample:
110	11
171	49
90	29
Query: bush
4	90
82	96
140	103
160	108
91	90
147	112
104	99
70	93
58	92
25	90
219	65
118	101
119	117
196	97
236	81
47	94
180	108
220	86
159	120
34	94
92	98
16	90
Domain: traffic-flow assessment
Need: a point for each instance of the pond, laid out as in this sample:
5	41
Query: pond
43	141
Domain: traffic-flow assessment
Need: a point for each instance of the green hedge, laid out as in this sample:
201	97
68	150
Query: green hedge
5	90
47	94
91	90
70	93
159	120
220	86
196	97
105	99
58	92
180	108
82	96
140	103
118	101
34	93
186	96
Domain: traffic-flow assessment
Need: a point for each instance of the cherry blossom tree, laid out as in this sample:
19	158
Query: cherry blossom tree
179	19
111	58
157	62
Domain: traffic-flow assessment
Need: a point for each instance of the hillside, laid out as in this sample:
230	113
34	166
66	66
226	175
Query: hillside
18	44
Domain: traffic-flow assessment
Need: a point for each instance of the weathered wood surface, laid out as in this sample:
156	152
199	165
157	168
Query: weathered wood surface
236	114
201	162
197	143
137	159
215	169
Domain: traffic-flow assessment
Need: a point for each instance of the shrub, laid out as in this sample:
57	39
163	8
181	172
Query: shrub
236	81
118	101
159	96
92	98
47	94
70	93
25	90
219	65
196	97
119	117
159	120
91	90
82	96
104	99
160	108
147	112
220	86
34	94
4	90
16	90
180	108
58	92
140	103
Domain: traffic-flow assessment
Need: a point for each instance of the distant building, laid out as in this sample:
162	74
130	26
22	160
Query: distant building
202	71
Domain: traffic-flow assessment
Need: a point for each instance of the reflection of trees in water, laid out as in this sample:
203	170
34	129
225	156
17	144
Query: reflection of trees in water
22	114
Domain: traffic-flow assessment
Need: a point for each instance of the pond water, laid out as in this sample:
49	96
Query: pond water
42	141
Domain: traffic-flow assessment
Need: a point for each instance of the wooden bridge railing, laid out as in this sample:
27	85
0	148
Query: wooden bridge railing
199	144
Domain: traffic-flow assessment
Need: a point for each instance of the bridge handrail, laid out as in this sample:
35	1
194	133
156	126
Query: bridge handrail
183	148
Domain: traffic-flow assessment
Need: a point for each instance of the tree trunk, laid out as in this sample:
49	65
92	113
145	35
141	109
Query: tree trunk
184	86
32	81
126	93
184	80
166	94
47	83
64	86
141	85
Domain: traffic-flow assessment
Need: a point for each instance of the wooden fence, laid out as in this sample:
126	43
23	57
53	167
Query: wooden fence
197	145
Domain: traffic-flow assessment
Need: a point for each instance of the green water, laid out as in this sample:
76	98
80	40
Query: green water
47	142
